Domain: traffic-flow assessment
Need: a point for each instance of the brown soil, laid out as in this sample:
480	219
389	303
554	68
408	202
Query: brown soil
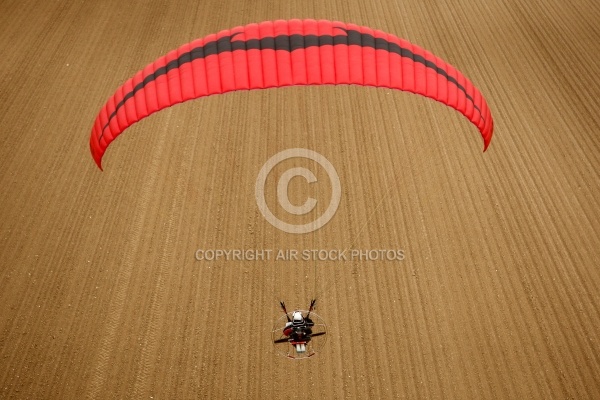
497	297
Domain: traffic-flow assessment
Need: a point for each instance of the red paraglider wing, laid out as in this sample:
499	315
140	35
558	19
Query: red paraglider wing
285	53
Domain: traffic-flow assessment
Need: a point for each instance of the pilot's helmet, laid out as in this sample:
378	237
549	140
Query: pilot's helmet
297	318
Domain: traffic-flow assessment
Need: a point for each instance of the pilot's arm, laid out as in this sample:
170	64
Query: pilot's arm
287	330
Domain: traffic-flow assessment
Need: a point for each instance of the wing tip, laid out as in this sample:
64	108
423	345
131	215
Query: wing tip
487	139
486	144
99	163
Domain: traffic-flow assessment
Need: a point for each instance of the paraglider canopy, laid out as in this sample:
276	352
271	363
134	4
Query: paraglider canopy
284	53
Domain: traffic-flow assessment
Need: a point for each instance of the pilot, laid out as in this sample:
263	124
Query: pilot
298	327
